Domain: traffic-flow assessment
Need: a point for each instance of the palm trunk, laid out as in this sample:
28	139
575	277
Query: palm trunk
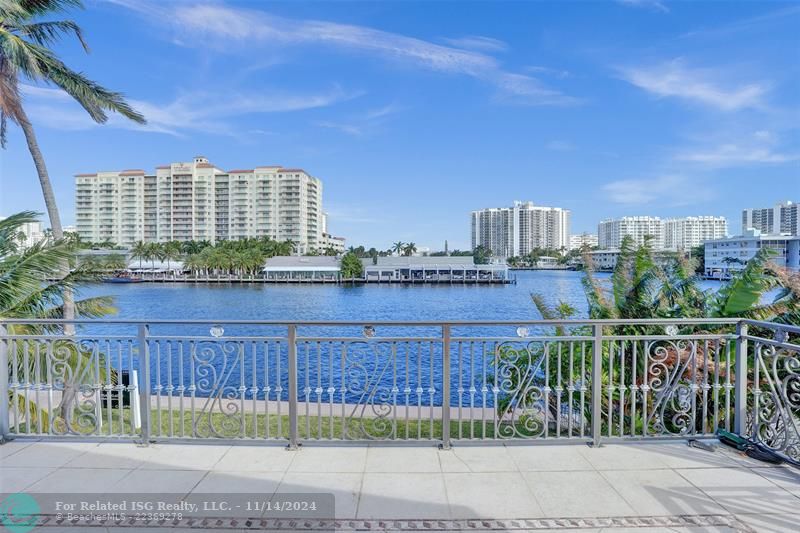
68	396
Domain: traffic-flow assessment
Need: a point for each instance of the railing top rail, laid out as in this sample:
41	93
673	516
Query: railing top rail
521	322
772	325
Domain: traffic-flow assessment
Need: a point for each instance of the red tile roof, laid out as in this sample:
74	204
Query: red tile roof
292	170
86	175
134	172
204	165
241	171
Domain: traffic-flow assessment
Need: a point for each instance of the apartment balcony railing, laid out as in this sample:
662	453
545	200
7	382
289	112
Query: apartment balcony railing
443	382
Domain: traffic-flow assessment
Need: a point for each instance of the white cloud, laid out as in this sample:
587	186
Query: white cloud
478	42
225	27
669	190
655	5
197	111
556	73
675	79
730	155
361	124
762	147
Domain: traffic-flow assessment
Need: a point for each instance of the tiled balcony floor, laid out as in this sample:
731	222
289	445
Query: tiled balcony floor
502	485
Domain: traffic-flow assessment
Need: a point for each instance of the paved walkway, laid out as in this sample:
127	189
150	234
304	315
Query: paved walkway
652	487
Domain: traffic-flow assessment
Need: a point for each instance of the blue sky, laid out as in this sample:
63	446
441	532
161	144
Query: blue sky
415	113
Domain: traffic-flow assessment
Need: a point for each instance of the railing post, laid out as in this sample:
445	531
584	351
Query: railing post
597	383
4	412
740	397
144	382
446	387
292	344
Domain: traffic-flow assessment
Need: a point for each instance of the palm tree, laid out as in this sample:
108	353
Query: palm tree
398	247
25	54
27	292
155	250
140	251
171	250
409	249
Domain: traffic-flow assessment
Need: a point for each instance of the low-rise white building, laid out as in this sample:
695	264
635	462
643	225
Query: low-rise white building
460	269
725	256
604	259
302	268
583	240
330	241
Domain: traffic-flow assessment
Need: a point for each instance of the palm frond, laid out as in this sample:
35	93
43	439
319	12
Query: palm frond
46	33
745	289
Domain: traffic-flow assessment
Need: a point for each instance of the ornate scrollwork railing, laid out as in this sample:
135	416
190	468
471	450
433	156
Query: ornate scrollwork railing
440	382
774	402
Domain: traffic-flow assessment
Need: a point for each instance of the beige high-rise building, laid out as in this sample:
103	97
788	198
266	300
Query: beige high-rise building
199	201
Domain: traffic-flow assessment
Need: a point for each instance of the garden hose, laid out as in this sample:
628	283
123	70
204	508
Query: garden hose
753	449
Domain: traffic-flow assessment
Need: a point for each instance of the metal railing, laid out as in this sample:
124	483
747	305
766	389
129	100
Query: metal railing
442	382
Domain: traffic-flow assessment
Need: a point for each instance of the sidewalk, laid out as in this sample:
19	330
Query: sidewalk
650	487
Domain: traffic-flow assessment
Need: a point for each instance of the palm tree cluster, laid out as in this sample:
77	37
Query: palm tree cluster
404	248
643	286
32	286
242	258
562	256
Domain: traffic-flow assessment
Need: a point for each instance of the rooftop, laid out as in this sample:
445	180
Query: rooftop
301	263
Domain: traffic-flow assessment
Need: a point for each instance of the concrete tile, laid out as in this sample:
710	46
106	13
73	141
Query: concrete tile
740	490
549	458
256	459
184	457
48	454
681	455
403	459
14	479
576	494
345	488
79	480
621	457
263	483
329	459
477	459
11	447
396	496
786	477
771	523
113	455
490	495
168	481
660	492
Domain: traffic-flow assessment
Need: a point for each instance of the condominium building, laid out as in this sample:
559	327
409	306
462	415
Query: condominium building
611	232
782	218
517	230
199	201
687	232
582	241
29	234
725	256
